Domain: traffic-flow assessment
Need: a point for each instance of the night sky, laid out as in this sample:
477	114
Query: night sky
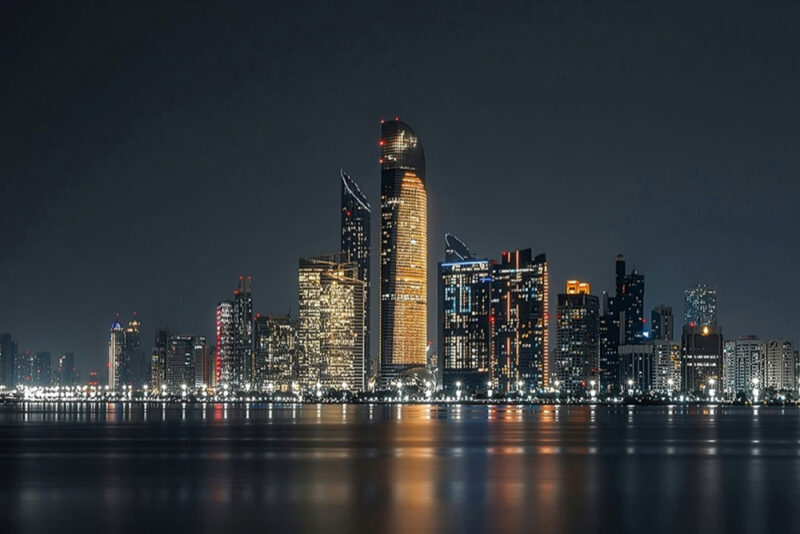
151	154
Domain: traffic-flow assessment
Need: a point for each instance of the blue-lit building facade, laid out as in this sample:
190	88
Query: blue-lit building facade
465	334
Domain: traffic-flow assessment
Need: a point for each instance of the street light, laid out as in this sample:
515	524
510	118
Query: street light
458	390
489	391
630	387
592	391
711	391
755	389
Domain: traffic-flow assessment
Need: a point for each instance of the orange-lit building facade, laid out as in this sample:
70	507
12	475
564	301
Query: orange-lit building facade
403	252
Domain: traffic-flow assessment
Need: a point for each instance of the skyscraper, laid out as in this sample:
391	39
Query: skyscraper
184	356
404	251
749	364
331	323
520	303
66	369
662	323
355	239
138	366
701	357
226	369
700	306
667	362
622	321
158	360
8	361
780	372
117	366
275	343
577	354
465	334
242	372
40	369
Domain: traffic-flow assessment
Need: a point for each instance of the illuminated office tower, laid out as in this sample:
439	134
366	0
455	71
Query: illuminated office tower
184	354
138	368
520	303
780	372
667	362
331	323
750	364
225	355
662	323
700	306
701	357
8	361
158	360
117	366
242	372
275	343
577	351
66	369
404	252
355	239
465	334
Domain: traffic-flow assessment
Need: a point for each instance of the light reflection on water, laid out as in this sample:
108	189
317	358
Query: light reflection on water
391	468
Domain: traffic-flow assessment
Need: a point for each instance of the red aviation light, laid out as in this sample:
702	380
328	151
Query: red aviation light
381	160
382	121
381	142
397	118
347	212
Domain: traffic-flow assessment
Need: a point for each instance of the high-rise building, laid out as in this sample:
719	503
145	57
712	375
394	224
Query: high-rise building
780	372
630	304
465	334
40	369
276	342
24	364
667	363
729	368
749	364
700	306
242	371
117	364
331	323
701	357
609	344
158	360
356	219
8	361
577	353
66	369
226	368
662	323
138	366
520	303
404	252
184	356
622	321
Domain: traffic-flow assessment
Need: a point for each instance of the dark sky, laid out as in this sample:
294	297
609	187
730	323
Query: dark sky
152	153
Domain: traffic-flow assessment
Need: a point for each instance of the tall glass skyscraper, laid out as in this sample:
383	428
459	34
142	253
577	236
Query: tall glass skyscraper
577	354
465	334
520	320
117	366
404	251
242	372
356	220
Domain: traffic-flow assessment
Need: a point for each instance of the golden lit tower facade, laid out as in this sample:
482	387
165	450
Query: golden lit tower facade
331	323
404	251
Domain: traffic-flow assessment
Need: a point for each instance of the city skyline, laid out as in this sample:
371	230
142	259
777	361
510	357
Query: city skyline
90	165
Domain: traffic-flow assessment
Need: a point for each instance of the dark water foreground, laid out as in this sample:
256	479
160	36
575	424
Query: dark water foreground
332	468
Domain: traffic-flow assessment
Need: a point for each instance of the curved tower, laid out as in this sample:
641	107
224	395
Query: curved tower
404	251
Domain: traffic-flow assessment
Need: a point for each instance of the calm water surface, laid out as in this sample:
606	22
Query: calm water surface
307	468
